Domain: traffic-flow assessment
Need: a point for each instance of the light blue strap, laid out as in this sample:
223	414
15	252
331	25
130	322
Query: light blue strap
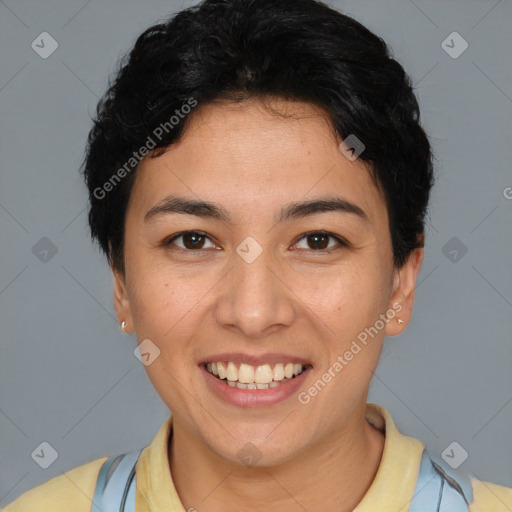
130	498
440	488
116	484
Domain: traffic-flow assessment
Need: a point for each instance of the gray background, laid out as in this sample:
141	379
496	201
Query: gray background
69	376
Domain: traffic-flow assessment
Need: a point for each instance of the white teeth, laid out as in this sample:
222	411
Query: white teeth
246	376
263	374
278	372
232	372
221	370
246	373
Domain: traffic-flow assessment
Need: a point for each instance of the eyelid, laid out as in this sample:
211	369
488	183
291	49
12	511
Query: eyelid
341	241
169	241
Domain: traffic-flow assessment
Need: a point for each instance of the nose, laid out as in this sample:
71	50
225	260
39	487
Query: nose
255	299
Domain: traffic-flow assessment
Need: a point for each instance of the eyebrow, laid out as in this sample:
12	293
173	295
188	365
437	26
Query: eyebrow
173	204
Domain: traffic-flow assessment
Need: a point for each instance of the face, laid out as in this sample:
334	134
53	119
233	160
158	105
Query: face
262	276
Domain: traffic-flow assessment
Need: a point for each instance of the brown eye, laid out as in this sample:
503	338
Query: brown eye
191	240
319	241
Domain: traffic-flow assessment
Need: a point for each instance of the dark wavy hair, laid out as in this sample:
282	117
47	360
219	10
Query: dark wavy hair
237	49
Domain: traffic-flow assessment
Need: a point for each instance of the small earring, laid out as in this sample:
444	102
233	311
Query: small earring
400	321
123	325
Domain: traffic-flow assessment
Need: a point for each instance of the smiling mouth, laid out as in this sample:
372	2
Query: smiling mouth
245	376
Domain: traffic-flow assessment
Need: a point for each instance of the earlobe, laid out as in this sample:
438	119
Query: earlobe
404	285
122	302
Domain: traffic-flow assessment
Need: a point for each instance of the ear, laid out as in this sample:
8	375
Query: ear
402	298
122	301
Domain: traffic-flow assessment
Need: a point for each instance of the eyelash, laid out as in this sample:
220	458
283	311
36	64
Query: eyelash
343	243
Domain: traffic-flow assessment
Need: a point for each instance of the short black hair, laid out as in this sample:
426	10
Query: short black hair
237	49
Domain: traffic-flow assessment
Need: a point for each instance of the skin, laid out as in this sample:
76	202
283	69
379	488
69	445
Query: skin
294	298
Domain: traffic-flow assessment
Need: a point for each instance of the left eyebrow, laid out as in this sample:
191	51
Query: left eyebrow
173	204
322	205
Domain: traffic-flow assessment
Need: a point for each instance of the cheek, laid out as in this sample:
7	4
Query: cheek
350	303
165	310
345	292
166	291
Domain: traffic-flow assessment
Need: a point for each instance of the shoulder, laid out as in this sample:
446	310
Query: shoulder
488	496
74	488
441	488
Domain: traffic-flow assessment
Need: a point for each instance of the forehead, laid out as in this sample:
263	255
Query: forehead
254	156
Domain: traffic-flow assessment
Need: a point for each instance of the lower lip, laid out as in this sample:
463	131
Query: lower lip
248	398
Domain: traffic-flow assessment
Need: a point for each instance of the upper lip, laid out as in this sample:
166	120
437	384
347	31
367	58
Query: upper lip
255	360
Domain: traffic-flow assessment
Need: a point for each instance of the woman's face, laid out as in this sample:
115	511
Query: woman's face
259	285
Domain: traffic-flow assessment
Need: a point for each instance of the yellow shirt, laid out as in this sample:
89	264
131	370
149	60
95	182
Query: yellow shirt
391	491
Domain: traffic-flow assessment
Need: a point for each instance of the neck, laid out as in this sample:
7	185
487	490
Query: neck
334	474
